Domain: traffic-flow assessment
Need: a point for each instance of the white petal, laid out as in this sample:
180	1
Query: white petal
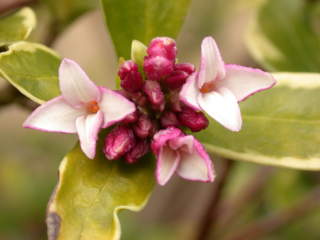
195	164
55	115
114	106
223	106
189	93
167	163
88	127
244	82
212	65
75	85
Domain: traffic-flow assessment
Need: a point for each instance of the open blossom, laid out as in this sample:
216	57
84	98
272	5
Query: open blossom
217	88
82	108
177	152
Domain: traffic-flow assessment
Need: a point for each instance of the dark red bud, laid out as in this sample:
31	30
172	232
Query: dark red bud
118	142
163	46
154	93
174	101
157	67
195	121
138	151
143	126
139	98
131	78
176	79
133	117
169	119
185	67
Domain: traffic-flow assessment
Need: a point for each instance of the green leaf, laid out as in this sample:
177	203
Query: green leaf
33	69
281	126
90	193
285	36
17	26
67	11
142	20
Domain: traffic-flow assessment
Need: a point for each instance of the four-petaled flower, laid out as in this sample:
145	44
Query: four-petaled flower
82	108
177	152
217	88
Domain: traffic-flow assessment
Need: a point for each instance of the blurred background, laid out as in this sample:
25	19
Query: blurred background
275	197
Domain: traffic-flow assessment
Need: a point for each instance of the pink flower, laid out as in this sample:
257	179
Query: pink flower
217	88
180	153
82	108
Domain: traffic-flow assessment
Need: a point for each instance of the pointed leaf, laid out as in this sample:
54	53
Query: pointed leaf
142	20
33	69
285	35
90	193
17	26
281	126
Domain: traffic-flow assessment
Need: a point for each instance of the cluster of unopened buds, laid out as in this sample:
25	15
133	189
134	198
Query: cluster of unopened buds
159	102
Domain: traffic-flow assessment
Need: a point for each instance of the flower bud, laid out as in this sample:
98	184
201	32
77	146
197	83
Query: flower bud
118	142
138	151
154	93
131	78
131	118
164	47
157	67
185	67
169	119
143	126
176	80
196	121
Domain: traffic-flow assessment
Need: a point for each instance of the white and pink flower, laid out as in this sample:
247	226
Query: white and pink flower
217	87
177	152
82	108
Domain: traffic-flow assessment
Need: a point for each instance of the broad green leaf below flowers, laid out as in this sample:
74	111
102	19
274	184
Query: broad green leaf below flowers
32	68
281	126
16	26
90	193
142	20
285	35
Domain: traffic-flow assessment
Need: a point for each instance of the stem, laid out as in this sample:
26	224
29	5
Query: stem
209	217
248	193
259	229
9	94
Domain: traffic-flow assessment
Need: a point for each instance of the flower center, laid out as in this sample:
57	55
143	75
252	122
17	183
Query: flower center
92	107
207	87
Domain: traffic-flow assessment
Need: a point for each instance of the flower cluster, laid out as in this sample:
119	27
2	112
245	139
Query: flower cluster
158	103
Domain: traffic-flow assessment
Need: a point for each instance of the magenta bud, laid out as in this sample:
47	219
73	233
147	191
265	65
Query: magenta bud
176	79
195	121
132	117
118	142
138	151
154	93
157	67
163	46
139	98
169	119
131	78
185	67
143	126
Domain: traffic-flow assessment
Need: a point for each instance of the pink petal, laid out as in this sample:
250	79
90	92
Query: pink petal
189	93
195	164
162	137
114	106
244	82
167	163
223	106
88	127
75	85
55	115
212	65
